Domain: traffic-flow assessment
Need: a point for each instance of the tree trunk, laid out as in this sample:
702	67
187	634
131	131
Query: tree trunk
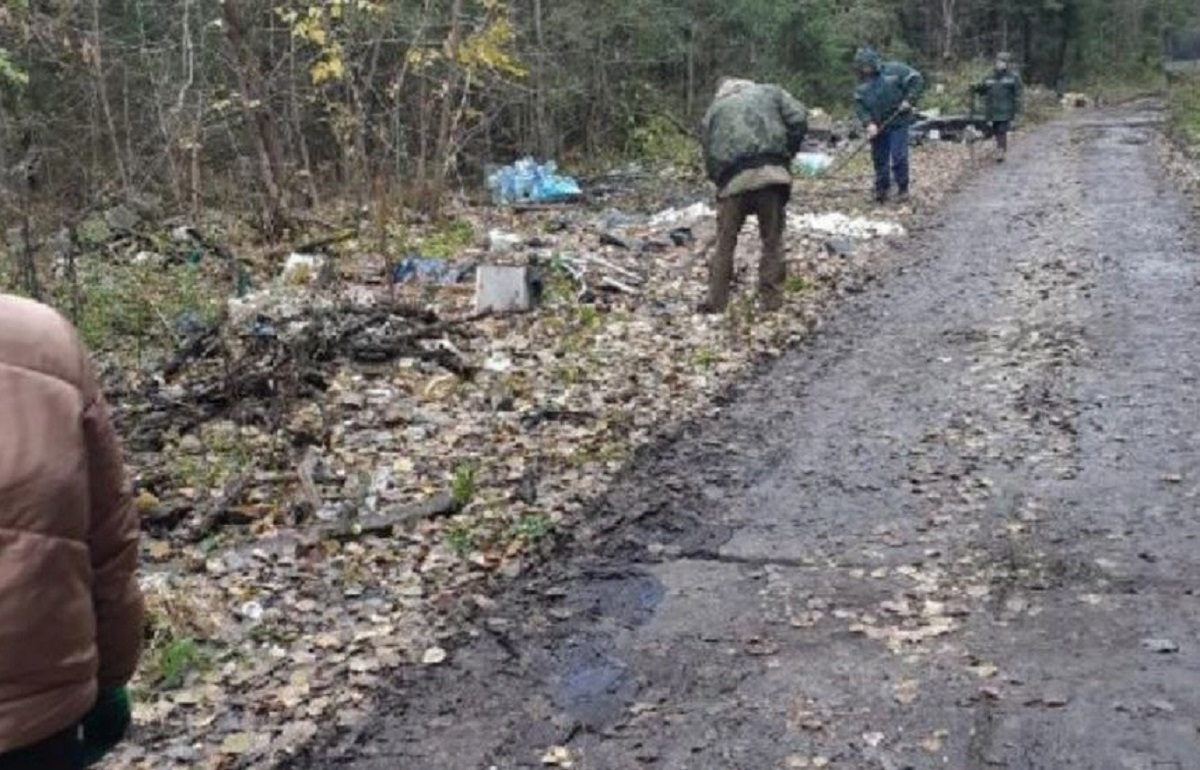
1027	41
102	97
691	71
267	133
948	29
441	153
544	132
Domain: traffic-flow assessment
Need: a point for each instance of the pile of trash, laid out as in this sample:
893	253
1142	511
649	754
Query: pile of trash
839	224
528	181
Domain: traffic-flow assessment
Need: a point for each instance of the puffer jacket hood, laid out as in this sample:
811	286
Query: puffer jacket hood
866	56
730	86
70	609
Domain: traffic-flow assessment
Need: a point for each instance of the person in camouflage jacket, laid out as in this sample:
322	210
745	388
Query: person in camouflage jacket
751	132
884	100
1001	92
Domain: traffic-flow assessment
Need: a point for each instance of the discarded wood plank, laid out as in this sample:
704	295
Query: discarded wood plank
308	487
163	519
624	272
399	516
613	283
521	208
536	417
320	244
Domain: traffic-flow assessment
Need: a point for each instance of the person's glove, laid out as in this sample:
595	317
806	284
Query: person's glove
106	724
906	106
872	131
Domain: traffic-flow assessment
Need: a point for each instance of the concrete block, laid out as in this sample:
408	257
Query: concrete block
503	289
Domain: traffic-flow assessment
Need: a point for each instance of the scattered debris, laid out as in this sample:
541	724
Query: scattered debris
433	271
1076	101
434	656
837	223
303	269
679	218
500	242
840	246
558	756
1160	646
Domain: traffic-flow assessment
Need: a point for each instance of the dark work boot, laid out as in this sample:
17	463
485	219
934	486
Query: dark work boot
880	196
902	195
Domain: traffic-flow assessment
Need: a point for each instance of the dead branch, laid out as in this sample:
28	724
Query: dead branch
399	516
217	512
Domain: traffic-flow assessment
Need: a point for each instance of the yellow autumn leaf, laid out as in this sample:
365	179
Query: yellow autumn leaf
329	68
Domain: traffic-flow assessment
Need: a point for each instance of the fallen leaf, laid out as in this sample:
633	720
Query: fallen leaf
158	549
434	656
299	733
237	743
558	756
906	691
933	743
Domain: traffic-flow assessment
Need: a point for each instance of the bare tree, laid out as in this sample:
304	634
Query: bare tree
254	102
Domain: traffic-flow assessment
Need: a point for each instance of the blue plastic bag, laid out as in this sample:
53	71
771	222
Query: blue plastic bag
416	269
811	163
527	181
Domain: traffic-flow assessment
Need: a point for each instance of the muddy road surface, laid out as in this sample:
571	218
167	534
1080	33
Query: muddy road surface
957	530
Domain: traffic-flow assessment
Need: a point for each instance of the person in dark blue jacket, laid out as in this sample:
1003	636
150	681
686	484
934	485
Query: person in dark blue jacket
884	100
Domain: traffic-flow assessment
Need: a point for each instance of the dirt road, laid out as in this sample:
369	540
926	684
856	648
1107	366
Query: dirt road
958	530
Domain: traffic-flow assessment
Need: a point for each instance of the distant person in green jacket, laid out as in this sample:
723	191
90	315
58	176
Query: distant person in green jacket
884	100
1001	92
751	132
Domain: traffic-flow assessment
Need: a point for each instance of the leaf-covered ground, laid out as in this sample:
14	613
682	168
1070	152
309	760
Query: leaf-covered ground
337	469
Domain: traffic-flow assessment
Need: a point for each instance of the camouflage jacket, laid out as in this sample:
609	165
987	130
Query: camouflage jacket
1001	93
754	126
879	97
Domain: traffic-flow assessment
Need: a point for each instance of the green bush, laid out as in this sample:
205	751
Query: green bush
142	304
1184	104
659	140
176	660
